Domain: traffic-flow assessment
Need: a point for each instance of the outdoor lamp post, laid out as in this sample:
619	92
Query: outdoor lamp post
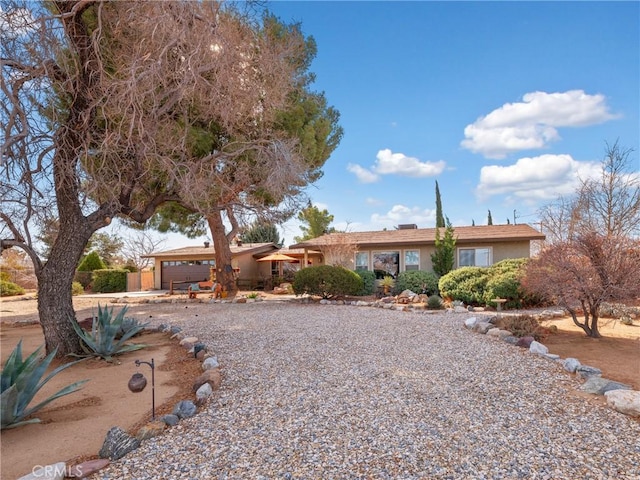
138	382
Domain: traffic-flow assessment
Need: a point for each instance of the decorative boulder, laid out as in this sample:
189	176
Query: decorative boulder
212	377
571	364
55	471
585	371
599	386
538	348
624	401
84	469
185	409
151	429
470	322
525	342
209	363
170	419
117	444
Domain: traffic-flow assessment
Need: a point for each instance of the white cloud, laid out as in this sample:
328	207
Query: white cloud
403	214
363	175
534	179
375	202
389	163
533	123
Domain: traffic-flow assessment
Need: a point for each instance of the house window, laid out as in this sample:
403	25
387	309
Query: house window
474	257
362	261
386	264
411	260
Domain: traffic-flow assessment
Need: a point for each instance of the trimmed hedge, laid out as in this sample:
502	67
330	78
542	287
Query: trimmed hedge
480	285
327	281
83	278
8	289
368	282
466	284
109	281
418	281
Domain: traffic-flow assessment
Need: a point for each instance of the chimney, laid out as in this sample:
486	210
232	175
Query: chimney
206	244
407	226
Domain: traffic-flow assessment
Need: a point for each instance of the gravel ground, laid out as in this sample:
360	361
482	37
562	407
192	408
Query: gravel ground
343	392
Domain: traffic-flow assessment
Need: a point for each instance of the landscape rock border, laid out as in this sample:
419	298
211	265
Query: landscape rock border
118	442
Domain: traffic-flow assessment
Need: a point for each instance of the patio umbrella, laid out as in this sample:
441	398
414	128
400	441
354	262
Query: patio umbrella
278	257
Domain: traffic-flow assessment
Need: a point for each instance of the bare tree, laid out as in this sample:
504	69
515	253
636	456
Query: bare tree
339	250
609	204
580	274
108	109
139	243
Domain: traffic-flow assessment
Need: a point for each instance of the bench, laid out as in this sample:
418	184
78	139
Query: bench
202	287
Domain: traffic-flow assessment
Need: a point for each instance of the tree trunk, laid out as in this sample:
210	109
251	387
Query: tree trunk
55	303
224	270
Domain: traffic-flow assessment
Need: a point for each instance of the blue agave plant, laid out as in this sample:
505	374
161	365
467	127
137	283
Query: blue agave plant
107	337
21	380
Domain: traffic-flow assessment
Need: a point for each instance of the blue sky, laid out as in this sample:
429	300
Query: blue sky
505	104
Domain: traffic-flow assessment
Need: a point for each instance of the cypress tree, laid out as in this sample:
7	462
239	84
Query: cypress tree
439	215
489	219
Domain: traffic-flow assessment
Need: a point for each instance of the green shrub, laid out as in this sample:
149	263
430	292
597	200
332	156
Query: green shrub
418	281
105	330
109	281
8	289
91	262
327	281
4	276
434	302
466	284
20	381
83	278
522	326
368	282
504	285
77	288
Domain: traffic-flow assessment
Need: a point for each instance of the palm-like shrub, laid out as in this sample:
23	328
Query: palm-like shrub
21	380
106	338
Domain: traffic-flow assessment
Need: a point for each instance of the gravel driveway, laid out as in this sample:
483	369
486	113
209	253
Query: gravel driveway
344	392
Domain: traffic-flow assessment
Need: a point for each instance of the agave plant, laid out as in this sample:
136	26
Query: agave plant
19	383
103	339
129	324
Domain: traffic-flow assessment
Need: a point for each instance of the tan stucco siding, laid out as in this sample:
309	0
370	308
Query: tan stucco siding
499	251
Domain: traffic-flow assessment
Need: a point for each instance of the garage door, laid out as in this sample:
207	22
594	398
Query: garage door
185	271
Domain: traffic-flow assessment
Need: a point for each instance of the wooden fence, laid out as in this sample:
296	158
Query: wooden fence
140	281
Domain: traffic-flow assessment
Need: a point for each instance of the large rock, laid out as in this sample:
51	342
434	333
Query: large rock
525	342
571	364
117	444
482	327
185	409
599	386
585	371
624	401
538	348
470	322
212	377
151	429
204	392
209	363
170	419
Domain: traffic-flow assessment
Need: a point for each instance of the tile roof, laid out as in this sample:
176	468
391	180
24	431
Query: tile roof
189	252
483	233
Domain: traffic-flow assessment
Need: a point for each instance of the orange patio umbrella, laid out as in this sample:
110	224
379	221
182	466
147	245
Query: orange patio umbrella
278	257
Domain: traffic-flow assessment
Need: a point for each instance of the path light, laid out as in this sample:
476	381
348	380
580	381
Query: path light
138	382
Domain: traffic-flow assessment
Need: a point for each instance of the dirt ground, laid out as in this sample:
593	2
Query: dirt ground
73	427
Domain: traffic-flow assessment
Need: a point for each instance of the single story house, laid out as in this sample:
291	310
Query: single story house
390	252
195	264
